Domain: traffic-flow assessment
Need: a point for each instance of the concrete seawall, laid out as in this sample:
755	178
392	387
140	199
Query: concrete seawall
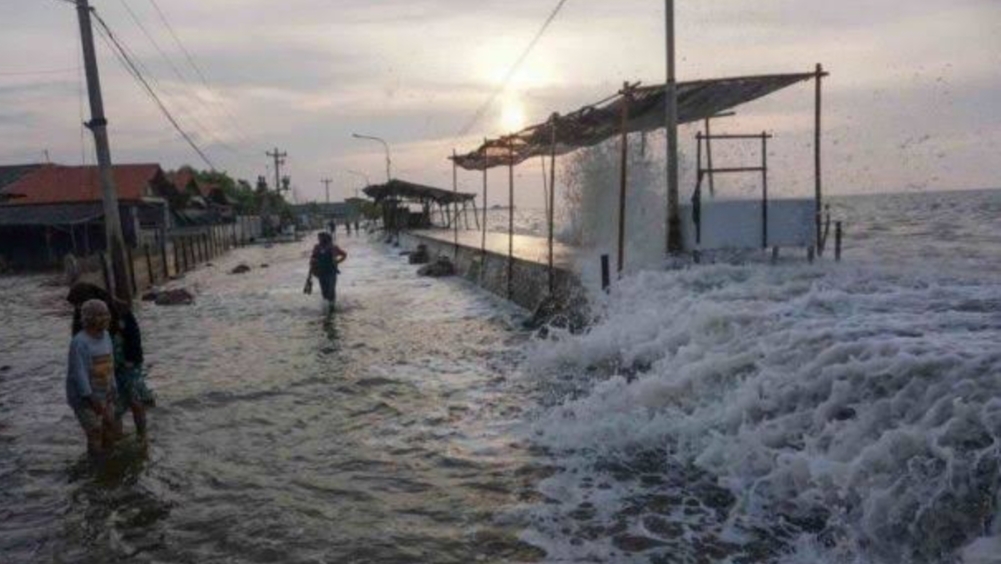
529	281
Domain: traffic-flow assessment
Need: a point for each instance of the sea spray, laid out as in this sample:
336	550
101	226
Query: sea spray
848	413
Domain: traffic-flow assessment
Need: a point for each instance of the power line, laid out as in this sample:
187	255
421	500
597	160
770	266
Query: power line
177	72
194	65
130	66
511	72
39	72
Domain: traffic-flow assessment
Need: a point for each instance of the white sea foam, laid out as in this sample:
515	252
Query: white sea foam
853	412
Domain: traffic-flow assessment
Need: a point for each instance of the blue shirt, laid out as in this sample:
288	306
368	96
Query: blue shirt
90	369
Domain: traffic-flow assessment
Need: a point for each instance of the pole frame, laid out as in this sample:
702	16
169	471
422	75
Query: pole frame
764	190
98	125
627	95
455	204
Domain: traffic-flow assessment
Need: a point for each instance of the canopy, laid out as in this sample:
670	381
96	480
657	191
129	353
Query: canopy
597	122
401	189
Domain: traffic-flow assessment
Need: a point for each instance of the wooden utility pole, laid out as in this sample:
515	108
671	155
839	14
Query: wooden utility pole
98	125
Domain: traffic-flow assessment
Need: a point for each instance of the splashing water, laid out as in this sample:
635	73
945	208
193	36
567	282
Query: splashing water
798	413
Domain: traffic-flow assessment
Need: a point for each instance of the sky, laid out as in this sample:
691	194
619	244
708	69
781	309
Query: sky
913	101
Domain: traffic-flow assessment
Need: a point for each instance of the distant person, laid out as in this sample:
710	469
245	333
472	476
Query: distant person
323	264
347	227
332	226
133	394
90	385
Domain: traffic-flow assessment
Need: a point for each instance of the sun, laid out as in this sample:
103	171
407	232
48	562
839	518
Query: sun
512	116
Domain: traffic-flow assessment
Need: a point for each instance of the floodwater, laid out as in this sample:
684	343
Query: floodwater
386	432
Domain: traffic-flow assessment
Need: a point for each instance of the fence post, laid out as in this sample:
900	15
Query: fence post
605	277
132	269
149	265
104	271
837	241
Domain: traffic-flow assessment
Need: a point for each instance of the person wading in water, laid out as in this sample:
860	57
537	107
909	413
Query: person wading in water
90	373
323	264
133	394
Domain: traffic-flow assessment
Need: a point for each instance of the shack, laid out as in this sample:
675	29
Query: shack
47	211
396	196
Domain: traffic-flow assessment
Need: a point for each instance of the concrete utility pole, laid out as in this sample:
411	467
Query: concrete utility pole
279	158
326	183
98	125
671	123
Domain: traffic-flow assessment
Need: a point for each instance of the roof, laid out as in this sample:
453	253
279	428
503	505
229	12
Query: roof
410	191
597	122
10	173
57	184
54	214
184	177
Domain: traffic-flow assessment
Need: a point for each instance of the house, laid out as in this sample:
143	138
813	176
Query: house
47	211
196	202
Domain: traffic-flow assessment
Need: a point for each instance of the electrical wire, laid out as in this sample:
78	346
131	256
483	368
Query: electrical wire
482	110
198	71
132	68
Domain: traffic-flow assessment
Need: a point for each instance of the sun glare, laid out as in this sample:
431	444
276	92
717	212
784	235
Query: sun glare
512	114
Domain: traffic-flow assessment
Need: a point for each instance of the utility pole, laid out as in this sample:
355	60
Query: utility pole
98	125
279	158
326	183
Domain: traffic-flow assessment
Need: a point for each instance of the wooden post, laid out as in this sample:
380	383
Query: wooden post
510	221
671	122
177	257
483	240
816	152
132	269
709	158
48	245
623	172
837	241
764	190
552	199
149	265
605	278
455	193
104	270
163	252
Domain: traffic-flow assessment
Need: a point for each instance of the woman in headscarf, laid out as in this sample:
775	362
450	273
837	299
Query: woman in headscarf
133	393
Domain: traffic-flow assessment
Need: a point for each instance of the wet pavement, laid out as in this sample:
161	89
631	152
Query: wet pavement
388	431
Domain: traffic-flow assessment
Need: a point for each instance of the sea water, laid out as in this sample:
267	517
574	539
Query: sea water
827	412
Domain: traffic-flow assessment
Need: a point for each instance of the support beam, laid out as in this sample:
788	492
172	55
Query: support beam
818	197
671	122
510	221
552	199
627	93
455	190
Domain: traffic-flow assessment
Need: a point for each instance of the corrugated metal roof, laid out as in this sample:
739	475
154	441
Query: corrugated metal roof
410	191
597	122
57	184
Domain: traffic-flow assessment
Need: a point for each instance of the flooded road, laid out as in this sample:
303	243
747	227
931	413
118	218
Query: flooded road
387	432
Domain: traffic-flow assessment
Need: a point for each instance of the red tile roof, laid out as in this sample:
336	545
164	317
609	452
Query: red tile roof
57	184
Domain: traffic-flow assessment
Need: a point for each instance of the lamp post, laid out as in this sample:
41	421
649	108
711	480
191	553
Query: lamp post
385	145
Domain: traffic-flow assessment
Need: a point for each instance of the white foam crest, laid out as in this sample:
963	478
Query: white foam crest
867	395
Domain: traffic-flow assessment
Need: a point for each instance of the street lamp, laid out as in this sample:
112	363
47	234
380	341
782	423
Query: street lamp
385	145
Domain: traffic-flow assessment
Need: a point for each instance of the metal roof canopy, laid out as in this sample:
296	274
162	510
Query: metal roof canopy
415	192
602	120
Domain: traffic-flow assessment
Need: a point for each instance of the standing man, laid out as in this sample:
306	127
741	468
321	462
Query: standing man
323	264
90	384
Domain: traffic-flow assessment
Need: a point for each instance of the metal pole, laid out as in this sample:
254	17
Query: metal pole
671	119
816	153
326	184
483	242
98	124
623	174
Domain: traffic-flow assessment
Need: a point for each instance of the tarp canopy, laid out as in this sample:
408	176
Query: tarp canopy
597	122
403	190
